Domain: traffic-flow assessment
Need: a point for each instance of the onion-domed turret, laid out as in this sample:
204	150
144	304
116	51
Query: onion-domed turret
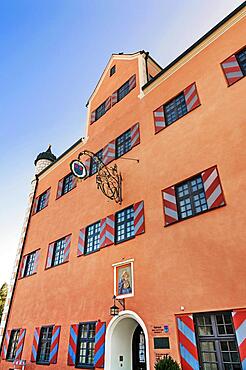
44	159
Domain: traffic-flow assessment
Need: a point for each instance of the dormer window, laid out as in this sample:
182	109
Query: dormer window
112	70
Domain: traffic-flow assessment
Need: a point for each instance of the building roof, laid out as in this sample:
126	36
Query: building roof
46	155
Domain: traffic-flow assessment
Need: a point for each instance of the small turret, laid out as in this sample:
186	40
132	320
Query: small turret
44	159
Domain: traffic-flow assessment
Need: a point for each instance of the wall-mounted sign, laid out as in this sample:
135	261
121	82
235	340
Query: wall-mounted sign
161	343
159	329
78	169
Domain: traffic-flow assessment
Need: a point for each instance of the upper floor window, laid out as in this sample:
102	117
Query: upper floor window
86	344
175	109
112	70
42	201
13	341
191	198
101	110
30	260
68	183
43	354
124	224
123	143
58	254
94	163
92	238
241	58
123	90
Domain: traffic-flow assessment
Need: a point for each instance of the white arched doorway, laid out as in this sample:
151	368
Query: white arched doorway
118	342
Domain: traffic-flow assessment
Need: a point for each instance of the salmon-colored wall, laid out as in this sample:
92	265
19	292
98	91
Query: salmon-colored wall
198	263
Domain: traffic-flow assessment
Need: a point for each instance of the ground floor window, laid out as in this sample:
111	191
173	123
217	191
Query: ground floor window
14	336
43	355
86	344
217	343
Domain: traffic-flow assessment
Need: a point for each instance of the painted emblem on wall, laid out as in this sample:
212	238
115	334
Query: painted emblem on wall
123	279
78	169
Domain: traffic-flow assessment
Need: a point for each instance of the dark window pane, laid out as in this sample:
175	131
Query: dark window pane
42	201
44	344
112	70
86	344
14	336
92	238
123	143
58	254
175	109
95	163
241	58
67	183
123	91
29	264
125	224
100	111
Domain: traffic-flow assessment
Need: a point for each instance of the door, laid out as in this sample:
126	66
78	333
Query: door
138	349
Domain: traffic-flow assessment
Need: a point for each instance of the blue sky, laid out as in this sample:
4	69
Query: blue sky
52	53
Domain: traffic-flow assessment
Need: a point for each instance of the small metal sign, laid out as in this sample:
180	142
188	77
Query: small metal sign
78	169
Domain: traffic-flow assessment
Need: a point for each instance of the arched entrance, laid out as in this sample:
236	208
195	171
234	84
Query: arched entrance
126	335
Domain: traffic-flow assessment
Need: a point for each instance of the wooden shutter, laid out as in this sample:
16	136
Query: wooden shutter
72	347
59	188
35	266
67	248
99	344
159	119
170	205
232	70
93	117
87	165
5	344
22	267
50	255
239	321
132	82
114	98
135	135
81	242
108	104
47	197
191	97
54	344
74	182
107	231
139	225
35	344
35	205
109	152
20	344
187	343
212	187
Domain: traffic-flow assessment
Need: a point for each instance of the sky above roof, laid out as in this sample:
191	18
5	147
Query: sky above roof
52	53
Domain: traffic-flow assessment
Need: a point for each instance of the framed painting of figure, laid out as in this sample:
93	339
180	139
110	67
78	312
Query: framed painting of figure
123	279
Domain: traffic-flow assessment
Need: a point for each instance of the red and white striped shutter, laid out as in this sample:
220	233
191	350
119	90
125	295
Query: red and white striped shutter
170	205
59	188
93	117
35	344
54	344
135	135
212	187
50	255
108	104
159	119
67	247
72	347
99	344
114	98
139	224
239	321
35	205
187	343
35	266
74	182
191	97
132	82
81	242
22	267
5	344
232	70
109	152
20	344
47	197
87	165
107	231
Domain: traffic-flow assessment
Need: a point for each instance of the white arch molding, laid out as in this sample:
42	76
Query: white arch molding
110	341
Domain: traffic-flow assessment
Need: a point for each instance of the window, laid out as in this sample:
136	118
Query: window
123	143
30	264
191	198
216	341
92	238
42	201
14	336
67	184
112	70
241	58
123	90
175	109
94	163
101	110
43	354
125	224
86	344
58	254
